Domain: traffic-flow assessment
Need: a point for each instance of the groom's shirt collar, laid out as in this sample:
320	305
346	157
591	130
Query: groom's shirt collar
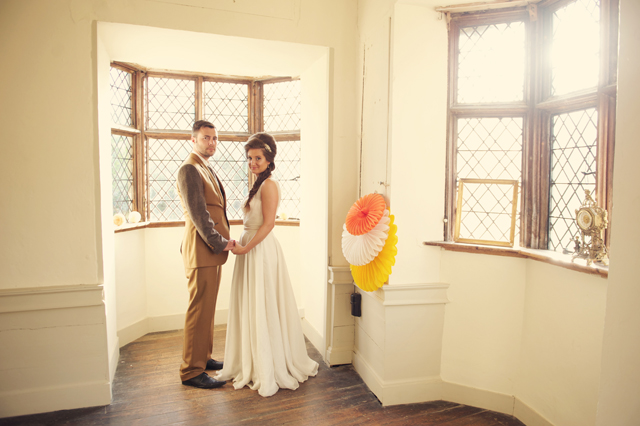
204	160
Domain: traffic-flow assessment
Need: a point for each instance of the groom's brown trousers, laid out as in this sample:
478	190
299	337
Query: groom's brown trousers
198	328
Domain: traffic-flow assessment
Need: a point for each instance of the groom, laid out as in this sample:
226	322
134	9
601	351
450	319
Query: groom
205	247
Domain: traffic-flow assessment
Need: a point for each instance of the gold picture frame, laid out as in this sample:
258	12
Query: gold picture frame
513	213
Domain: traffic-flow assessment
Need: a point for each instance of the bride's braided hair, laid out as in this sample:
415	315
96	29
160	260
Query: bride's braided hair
267	144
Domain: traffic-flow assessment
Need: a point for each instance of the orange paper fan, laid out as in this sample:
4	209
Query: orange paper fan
365	214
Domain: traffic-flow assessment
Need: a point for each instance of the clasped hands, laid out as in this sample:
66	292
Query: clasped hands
235	248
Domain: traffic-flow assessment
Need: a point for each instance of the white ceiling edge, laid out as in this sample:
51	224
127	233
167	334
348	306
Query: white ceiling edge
179	50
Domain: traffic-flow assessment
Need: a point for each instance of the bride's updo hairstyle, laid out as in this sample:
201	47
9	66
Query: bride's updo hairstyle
267	144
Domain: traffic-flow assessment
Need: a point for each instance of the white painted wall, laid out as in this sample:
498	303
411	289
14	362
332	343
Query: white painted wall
49	80
131	279
58	333
151	283
104	191
483	320
182	50
418	129
517	333
619	389
50	204
315	220
373	94
559	365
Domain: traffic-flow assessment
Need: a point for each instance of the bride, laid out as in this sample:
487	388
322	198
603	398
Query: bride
265	347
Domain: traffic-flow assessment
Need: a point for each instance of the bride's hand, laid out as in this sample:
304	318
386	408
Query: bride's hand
238	249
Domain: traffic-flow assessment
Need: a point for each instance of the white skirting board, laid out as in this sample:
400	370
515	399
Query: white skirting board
393	392
480	398
114	360
54	398
528	415
148	325
433	389
312	334
341	325
494	401
54	351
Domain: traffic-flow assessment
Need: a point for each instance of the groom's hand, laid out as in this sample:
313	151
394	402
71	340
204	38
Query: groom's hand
230	245
238	249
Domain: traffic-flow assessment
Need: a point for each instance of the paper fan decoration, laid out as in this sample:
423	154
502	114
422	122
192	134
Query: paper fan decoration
375	273
369	242
365	214
362	249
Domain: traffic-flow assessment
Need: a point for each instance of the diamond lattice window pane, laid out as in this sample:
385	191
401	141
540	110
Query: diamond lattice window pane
121	95
230	165
489	148
287	173
122	173
491	63
165	157
486	212
226	105
282	106
574	139
171	103
575	47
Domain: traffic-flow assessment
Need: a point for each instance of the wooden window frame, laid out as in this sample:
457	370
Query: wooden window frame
141	134
536	110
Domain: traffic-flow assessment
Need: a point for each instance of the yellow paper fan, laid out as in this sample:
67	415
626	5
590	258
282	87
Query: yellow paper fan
374	274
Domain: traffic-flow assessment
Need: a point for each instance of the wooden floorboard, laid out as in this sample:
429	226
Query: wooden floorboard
147	391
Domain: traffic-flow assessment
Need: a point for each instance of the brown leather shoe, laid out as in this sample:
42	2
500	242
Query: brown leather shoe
203	381
212	364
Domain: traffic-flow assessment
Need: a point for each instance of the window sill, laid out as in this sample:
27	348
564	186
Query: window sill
180	223
546	256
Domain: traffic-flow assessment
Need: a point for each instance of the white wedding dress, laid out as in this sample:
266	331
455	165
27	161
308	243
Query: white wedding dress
265	347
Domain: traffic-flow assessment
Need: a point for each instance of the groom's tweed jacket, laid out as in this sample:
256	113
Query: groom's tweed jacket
204	204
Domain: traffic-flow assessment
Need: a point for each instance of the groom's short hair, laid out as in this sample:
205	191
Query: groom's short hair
199	125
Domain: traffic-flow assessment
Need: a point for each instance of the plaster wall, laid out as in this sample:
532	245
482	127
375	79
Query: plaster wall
494	343
483	320
105	190
151	284
317	84
131	279
559	364
58	70
373	93
619	390
398	339
418	140
52	194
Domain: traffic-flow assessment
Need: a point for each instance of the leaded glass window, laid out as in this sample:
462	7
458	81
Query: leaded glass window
226	105
147	155
574	138
532	95
287	173
491	63
230	165
488	148
171	103
282	106
575	47
121	97
164	158
122	174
